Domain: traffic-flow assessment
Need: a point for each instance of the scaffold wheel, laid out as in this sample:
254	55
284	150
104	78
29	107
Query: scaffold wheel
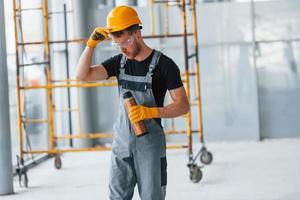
57	162
206	157
24	179
21	171
195	173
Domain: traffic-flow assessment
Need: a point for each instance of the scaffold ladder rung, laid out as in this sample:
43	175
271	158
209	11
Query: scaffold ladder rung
32	64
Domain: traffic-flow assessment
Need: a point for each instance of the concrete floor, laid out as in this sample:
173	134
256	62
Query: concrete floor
268	170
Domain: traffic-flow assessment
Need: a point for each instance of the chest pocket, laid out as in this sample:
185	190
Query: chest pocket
135	86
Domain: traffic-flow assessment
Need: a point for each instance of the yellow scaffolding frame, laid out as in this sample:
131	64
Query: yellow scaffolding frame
205	156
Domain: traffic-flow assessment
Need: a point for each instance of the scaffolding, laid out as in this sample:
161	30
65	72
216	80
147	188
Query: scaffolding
205	156
51	85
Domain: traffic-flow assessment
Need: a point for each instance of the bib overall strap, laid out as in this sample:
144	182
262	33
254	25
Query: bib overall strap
154	61
123	61
122	65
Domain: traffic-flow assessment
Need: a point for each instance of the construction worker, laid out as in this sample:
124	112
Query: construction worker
148	75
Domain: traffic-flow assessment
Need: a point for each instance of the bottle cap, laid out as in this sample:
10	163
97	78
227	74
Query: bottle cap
127	95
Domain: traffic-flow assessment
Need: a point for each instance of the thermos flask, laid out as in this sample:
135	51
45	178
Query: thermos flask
139	127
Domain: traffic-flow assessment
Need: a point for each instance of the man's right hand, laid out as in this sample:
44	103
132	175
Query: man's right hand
98	35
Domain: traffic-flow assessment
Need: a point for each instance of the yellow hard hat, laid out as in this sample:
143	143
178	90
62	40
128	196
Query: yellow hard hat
121	17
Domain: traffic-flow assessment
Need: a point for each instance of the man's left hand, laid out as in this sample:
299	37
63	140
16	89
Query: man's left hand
138	113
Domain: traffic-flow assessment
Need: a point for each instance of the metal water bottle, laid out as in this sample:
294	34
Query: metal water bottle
139	127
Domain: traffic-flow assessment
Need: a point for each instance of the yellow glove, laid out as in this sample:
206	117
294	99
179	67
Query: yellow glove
138	113
98	35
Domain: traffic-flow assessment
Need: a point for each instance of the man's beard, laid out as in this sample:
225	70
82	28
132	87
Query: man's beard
135	52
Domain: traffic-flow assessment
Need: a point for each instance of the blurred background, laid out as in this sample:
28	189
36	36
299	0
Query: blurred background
249	63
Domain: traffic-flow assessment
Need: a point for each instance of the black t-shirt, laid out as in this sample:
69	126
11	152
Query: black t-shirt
166	75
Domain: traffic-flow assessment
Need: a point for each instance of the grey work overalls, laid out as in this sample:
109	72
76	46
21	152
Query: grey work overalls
140	160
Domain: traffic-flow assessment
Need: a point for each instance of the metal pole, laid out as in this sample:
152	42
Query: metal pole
152	27
6	169
187	78
166	10
52	142
19	104
80	11
197	71
68	73
255	64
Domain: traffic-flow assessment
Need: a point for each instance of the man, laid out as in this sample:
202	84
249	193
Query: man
147	74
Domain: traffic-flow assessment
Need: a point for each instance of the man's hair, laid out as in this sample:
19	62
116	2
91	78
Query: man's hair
130	30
